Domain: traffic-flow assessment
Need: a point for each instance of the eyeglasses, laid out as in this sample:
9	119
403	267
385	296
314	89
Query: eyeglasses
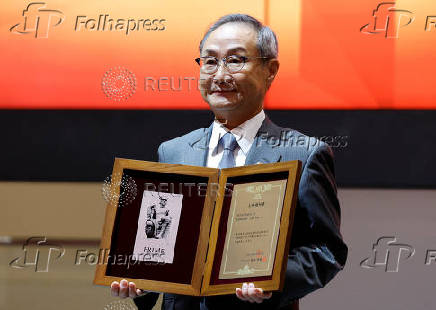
233	63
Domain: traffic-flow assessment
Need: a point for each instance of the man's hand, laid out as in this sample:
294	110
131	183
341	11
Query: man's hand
125	289
252	294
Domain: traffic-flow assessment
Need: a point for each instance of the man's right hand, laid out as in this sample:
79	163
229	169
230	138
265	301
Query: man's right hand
125	289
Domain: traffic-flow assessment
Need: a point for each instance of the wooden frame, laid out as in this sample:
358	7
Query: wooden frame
201	281
193	288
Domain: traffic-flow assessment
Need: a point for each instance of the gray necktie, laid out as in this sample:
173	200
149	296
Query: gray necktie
228	141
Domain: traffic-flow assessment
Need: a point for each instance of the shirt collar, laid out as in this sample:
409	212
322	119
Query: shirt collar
244	133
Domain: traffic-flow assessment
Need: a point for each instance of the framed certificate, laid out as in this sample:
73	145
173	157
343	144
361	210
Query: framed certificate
199	231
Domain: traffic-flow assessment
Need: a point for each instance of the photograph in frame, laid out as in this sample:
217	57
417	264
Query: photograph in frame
158	224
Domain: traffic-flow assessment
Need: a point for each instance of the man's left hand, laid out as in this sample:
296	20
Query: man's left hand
252	294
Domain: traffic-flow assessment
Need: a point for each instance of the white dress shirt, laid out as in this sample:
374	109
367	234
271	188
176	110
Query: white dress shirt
244	134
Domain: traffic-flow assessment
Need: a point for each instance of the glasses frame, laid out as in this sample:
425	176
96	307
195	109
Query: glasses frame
224	61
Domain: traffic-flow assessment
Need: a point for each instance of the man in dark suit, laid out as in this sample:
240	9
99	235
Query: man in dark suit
237	66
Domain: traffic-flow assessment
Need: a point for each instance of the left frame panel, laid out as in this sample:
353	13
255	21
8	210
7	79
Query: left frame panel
169	220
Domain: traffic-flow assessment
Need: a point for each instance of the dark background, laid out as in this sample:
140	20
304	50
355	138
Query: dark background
384	148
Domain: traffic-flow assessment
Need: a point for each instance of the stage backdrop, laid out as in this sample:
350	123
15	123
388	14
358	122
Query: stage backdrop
140	54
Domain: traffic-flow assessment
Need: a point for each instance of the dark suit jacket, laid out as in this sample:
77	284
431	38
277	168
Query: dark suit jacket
317	251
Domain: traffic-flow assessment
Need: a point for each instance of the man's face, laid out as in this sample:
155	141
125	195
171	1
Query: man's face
240	92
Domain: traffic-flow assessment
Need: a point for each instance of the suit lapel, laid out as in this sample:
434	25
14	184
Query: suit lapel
198	150
265	145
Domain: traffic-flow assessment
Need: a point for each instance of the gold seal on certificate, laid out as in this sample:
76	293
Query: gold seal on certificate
252	229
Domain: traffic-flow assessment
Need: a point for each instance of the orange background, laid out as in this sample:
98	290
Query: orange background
326	62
